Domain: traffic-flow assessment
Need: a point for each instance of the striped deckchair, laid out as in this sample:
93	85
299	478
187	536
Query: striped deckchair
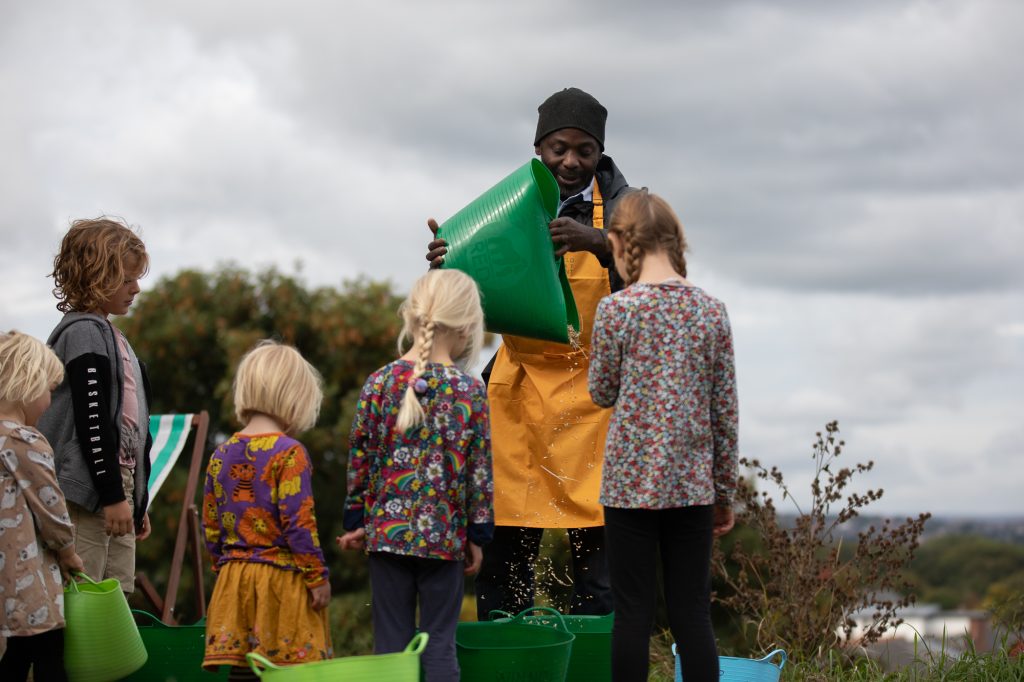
169	433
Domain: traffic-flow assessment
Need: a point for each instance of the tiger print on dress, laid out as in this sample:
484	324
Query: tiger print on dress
244	473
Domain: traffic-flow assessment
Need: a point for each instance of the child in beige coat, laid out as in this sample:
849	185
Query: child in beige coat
36	536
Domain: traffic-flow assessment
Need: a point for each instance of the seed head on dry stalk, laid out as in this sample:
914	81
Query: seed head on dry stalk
793	586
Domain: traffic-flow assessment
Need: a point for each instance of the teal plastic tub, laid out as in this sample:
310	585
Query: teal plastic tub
732	669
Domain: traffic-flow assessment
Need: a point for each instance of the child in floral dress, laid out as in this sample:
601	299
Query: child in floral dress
662	356
272	591
419	478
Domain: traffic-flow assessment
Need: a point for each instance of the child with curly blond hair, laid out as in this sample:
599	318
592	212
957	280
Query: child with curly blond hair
272	591
98	423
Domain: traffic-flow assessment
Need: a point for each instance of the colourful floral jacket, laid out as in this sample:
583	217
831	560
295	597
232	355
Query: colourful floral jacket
422	492
662	355
258	505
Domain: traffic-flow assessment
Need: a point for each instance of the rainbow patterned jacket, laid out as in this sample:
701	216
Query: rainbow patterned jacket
423	492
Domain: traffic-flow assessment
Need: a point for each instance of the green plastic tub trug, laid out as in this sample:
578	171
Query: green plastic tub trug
501	240
514	650
403	666
175	652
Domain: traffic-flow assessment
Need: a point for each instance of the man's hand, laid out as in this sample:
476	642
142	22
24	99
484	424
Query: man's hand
474	557
320	596
70	562
117	519
723	520
354	539
436	249
568	235
146	529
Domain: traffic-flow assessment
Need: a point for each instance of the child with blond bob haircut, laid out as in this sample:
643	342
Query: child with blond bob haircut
36	537
662	356
258	517
420	486
98	423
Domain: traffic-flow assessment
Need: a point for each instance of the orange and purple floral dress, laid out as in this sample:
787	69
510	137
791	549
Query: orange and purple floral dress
261	533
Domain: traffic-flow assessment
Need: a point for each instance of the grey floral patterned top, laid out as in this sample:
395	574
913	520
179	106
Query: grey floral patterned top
34	524
662	355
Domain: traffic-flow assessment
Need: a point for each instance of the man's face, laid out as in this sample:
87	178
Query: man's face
571	155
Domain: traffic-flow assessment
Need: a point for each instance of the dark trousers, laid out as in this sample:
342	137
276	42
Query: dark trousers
397	581
506	579
683	538
43	653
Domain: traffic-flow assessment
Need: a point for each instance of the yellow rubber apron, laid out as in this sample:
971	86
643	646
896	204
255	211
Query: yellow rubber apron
547	435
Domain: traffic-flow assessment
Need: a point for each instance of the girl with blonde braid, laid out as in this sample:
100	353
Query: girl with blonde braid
662	357
419	475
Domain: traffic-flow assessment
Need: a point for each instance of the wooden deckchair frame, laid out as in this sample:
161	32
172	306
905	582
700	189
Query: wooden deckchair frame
188	535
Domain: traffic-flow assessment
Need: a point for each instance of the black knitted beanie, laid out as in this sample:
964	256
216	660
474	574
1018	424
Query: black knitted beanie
571	108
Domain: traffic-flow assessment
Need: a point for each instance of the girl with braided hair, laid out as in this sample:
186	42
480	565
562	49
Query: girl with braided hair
662	358
420	486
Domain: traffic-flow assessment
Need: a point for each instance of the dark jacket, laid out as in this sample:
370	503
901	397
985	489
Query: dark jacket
613	187
85	415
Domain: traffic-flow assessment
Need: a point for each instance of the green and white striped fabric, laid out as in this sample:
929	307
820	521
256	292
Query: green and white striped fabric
169	432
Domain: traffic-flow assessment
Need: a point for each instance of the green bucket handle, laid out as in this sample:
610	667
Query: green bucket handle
254	658
415	646
73	584
498	613
771	655
147	614
547	609
157	621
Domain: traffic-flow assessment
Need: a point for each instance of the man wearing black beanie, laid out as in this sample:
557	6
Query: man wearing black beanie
538	389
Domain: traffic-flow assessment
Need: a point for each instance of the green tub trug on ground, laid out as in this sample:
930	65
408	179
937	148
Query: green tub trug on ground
175	651
513	650
403	666
591	659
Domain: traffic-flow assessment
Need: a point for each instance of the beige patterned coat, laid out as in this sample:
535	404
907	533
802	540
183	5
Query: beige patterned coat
34	526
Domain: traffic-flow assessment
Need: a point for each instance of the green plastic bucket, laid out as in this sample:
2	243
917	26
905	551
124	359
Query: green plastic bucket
732	669
101	642
514	650
400	667
501	240
175	652
591	659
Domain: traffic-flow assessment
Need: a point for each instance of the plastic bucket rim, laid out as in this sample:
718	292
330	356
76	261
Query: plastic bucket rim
414	648
547	185
763	660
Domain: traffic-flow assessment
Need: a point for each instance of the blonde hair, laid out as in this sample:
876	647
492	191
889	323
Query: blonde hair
646	223
96	257
27	368
441	300
275	380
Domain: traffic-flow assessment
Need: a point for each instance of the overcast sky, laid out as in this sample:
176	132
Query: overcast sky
850	177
